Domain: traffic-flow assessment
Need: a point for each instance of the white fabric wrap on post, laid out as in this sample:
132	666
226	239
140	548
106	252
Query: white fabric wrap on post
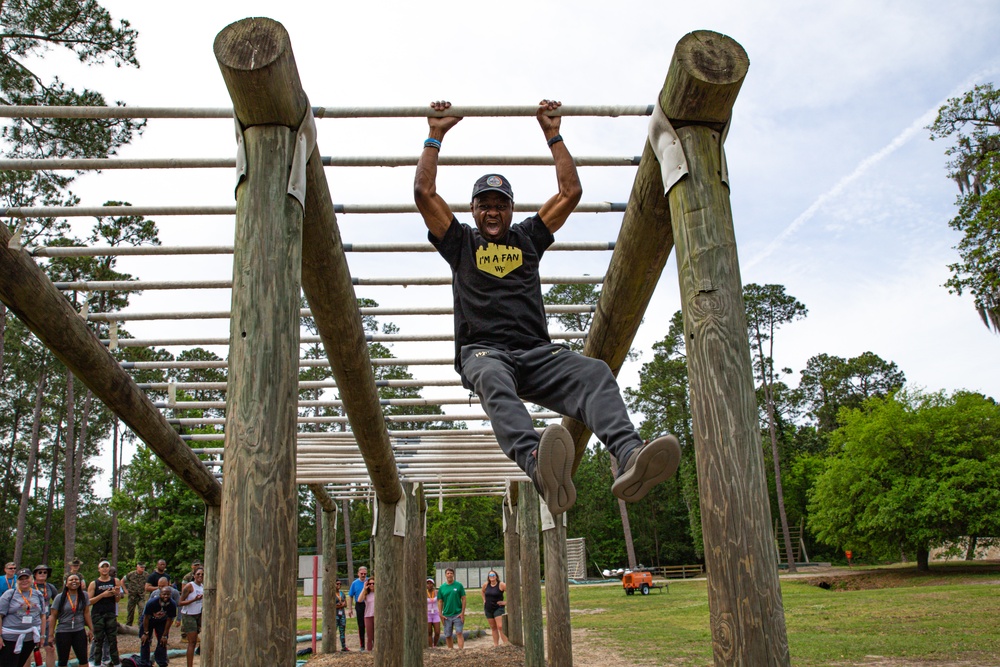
667	148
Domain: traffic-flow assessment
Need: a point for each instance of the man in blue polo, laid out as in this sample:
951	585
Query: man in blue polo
358	606
503	351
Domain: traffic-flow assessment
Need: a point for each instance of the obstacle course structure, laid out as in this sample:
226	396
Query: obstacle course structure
287	242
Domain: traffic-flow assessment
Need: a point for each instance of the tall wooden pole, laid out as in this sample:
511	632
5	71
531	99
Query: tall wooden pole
209	626
348	547
415	577
260	499
512	567
557	622
330	633
531	576
326	530
390	595
747	615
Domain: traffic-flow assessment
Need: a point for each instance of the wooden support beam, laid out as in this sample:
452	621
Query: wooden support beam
255	57
28	292
531	576
260	499
415	577
324	499
330	634
746	610
390	594
558	629
326	281
700	89
209	628
512	568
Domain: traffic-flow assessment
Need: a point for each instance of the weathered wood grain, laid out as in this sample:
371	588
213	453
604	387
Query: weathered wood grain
30	295
558	629
390	586
213	515
512	570
330	635
531	576
747	616
256	614
256	60
415	577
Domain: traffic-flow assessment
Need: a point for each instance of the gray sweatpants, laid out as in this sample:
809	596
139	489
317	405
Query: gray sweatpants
556	378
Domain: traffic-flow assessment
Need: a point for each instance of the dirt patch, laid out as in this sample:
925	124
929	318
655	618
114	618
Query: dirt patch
864	580
477	653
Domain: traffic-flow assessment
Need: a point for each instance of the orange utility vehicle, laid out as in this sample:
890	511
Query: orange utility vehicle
642	582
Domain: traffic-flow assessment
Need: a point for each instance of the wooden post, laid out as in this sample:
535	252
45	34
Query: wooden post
531	576
415	577
260	499
747	615
512	568
209	627
390	595
328	507
29	293
330	633
348	547
557	621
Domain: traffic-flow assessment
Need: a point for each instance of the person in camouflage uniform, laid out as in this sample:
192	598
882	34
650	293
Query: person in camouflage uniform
189	577
135	586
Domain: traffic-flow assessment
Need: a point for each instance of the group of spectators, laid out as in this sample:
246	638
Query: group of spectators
37	619
445	605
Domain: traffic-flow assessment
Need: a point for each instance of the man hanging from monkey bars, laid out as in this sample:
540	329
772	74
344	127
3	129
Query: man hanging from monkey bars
502	347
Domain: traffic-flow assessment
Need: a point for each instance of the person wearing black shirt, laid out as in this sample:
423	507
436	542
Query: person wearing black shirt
503	351
157	618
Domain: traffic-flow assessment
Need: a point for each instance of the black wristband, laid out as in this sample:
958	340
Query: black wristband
555	140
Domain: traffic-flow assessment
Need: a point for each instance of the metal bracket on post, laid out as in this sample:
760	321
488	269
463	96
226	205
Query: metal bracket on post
305	142
113	336
241	155
85	306
667	148
399	530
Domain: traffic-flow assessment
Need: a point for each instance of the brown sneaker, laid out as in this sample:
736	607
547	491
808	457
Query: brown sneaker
647	465
554	469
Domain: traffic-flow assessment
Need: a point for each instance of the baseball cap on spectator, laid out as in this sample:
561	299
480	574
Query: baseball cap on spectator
24	572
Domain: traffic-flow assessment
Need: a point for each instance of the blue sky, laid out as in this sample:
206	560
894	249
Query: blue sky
837	192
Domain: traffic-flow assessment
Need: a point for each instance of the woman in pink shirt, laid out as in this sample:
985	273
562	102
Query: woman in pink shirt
368	597
433	615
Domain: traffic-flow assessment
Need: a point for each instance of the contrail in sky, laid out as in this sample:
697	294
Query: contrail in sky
902	138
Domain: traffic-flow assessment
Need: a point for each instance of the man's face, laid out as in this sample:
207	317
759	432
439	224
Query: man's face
492	212
9	569
41	576
161	565
337	584
449	576
140	569
164	590
362	573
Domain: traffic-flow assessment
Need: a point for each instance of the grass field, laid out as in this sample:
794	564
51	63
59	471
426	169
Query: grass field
949	615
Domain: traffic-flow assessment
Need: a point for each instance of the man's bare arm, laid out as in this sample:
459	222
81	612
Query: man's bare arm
556	210
433	208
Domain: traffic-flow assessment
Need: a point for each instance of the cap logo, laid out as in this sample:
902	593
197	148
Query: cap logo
494	181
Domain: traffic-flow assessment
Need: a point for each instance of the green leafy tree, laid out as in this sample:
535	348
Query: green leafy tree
829	383
768	307
911	471
972	120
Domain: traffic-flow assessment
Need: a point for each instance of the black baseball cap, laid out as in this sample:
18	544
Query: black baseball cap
492	183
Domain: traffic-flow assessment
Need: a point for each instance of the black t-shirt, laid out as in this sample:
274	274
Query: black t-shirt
497	291
154	578
104	605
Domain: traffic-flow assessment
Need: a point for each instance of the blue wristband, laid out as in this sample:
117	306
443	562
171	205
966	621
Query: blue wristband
432	143
555	140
